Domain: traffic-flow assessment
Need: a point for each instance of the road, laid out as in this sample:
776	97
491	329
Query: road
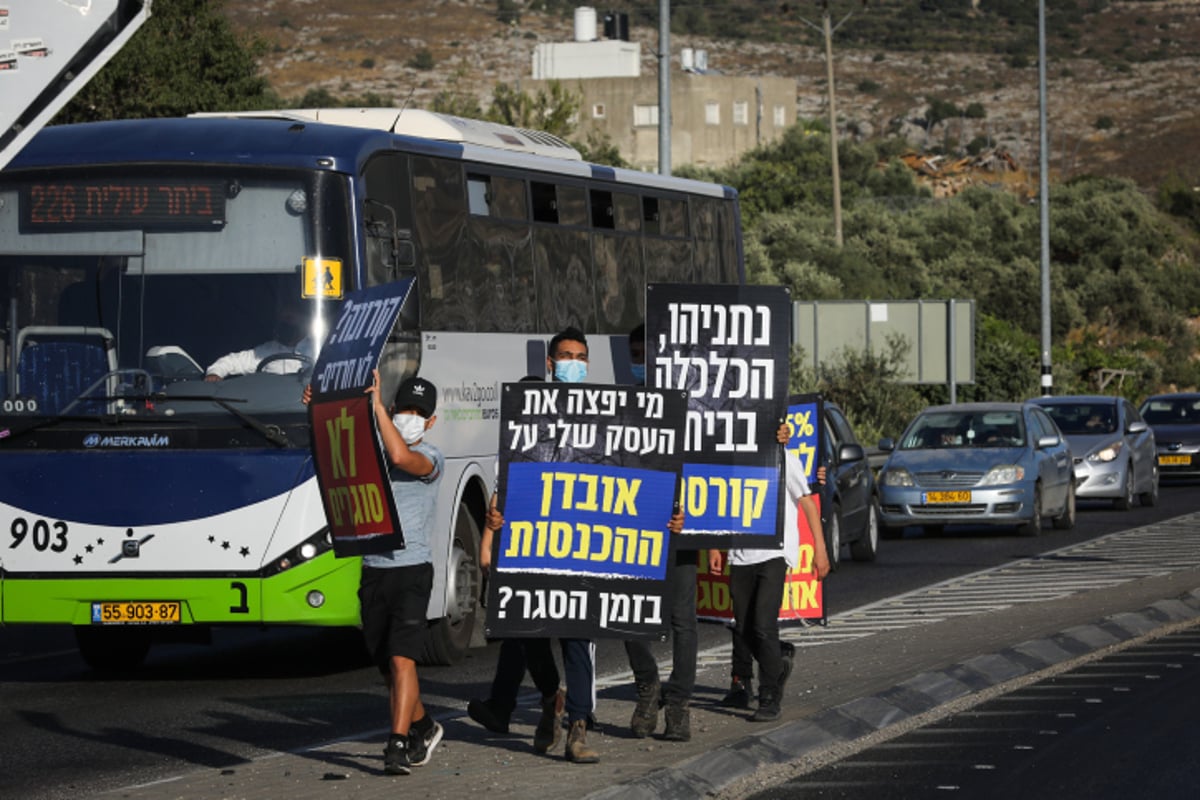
253	693
1115	728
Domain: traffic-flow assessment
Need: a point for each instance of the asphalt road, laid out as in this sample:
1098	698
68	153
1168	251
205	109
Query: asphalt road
1115	728
64	729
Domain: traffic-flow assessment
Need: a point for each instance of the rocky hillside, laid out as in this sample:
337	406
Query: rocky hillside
1123	98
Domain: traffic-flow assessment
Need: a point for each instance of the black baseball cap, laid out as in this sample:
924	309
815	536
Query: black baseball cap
417	393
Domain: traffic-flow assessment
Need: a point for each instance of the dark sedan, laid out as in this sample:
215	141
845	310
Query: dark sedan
849	491
1175	420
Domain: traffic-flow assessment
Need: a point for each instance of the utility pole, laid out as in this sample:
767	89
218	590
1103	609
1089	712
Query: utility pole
1044	192
664	87
827	30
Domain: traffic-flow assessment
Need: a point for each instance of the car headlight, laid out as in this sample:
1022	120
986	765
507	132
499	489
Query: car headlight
898	477
1003	473
1107	454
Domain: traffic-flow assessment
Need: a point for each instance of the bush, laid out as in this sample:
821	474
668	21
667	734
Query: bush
422	59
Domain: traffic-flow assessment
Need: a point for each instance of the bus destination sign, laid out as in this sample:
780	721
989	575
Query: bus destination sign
107	204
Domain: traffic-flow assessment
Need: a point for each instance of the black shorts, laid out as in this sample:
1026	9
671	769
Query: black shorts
393	603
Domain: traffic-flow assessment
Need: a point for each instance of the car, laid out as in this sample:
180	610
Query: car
849	515
1175	420
977	464
1114	448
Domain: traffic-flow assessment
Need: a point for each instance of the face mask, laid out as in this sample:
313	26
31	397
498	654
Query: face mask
639	372
570	370
411	427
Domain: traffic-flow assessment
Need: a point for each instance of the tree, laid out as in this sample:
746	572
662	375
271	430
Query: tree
186	58
553	110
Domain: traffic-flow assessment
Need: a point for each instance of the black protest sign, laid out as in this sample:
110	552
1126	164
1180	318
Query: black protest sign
727	348
347	453
588	478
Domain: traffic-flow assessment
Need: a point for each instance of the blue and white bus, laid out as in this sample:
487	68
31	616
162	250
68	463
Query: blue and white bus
140	501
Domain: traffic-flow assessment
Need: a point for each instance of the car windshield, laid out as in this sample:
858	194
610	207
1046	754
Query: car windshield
1083	418
975	428
1172	411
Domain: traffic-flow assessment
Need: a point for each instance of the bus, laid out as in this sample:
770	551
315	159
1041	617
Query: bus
141	499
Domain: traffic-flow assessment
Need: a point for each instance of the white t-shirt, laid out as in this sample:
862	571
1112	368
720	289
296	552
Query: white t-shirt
245	362
797	487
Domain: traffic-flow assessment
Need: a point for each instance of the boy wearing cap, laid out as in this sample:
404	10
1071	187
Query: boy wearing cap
396	585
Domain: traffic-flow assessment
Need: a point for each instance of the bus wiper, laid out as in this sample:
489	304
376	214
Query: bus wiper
272	433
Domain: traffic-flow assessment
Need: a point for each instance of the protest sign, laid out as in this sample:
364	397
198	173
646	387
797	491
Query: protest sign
727	347
803	597
351	468
588	478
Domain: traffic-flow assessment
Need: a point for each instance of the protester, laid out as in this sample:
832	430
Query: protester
396	585
676	693
756	581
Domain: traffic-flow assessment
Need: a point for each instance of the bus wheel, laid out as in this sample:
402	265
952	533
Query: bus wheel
112	649
450	637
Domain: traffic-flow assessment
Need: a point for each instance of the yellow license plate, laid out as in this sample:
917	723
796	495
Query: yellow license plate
136	612
947	497
1174	461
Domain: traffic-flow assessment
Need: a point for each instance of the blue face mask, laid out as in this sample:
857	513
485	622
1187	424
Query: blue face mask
639	372
570	370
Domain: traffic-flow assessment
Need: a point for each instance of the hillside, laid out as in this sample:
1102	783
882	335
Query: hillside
1122	81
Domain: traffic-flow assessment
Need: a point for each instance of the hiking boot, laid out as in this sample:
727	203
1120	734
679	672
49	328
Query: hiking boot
395	756
768	706
645	713
787	651
549	727
578	751
738	695
488	715
421	745
679	722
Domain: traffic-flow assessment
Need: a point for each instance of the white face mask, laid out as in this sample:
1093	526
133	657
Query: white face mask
411	427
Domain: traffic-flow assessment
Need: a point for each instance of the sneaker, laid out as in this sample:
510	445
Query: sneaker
645	713
395	756
421	747
768	707
738	695
487	715
679	722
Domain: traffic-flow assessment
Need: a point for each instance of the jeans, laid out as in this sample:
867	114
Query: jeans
757	591
579	665
681	578
517	655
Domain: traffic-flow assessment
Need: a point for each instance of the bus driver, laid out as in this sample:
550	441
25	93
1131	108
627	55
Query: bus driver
288	337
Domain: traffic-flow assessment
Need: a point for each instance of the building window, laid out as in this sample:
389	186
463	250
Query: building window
780	116
712	113
644	116
598	111
741	113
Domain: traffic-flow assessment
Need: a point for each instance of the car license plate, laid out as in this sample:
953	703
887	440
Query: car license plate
947	497
1174	461
136	612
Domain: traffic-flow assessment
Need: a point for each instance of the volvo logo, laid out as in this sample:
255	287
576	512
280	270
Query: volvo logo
91	440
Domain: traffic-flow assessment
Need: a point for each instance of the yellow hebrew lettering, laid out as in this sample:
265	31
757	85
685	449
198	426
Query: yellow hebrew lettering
627	492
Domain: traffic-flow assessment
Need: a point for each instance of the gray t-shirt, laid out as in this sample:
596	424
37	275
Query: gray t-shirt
416	504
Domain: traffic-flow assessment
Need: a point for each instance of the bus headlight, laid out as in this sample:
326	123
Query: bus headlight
315	599
320	542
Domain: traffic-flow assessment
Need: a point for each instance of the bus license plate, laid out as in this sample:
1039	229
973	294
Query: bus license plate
947	497
1174	461
134	612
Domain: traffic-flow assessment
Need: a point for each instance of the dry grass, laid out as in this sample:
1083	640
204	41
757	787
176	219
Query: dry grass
351	47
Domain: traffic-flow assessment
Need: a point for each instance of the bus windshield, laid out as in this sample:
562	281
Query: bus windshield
169	295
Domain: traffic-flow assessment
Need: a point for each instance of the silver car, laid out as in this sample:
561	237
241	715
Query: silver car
978	464
1113	446
1175	420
